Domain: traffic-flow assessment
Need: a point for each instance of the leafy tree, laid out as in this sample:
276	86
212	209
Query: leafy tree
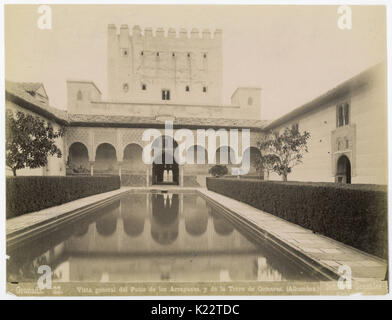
29	141
218	170
281	152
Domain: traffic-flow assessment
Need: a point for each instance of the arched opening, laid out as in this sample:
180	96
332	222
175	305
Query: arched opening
255	156
106	159
132	159
165	169
225	155
196	155
343	170
78	162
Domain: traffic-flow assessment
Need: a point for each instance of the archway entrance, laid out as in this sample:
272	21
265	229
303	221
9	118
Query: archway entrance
165	173
343	172
165	169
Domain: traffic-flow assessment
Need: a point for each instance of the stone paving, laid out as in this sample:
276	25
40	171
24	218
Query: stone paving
327	252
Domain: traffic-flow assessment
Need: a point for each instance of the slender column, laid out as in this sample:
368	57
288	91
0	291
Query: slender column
119	163
92	167
147	177
181	176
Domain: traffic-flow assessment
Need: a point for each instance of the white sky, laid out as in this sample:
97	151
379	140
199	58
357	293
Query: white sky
294	53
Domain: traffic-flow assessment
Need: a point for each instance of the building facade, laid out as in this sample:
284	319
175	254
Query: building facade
155	78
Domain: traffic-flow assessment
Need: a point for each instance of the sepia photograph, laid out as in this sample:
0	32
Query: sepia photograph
195	150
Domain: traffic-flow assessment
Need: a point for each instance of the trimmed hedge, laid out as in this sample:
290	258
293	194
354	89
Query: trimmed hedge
353	214
32	193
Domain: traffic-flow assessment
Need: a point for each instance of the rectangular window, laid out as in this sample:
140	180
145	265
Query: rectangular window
124	52
144	87
165	94
343	114
346	114
204	89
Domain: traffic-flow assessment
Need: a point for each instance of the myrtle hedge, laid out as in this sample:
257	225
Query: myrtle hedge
353	214
30	193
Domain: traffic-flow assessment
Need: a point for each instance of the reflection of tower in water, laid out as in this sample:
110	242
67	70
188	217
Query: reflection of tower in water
165	217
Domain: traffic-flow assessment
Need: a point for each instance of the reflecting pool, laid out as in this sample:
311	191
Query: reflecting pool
153	237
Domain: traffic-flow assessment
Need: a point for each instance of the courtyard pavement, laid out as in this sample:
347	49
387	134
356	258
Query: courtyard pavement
327	252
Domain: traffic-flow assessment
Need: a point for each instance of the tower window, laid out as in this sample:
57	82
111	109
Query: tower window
343	114
144	86
250	101
205	55
124	52
79	95
157	54
295	126
204	89
165	94
141	53
125	87
187	88
173	54
189	55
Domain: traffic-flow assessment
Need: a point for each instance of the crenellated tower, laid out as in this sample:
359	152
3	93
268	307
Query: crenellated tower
164	67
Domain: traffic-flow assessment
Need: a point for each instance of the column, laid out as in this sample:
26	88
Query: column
119	163
181	177
91	167
147	177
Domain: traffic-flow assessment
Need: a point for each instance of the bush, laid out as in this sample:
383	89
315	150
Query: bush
353	214
218	170
29	193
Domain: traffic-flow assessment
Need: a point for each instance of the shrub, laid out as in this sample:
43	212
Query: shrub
29	193
353	214
218	170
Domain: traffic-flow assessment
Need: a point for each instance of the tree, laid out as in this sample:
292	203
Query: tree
281	152
29	141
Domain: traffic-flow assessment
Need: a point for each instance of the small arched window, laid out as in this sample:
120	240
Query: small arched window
79	95
125	87
250	101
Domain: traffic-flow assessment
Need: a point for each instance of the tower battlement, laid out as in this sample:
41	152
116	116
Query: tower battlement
164	66
170	33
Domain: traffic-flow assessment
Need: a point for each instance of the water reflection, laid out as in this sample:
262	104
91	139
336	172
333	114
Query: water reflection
152	237
133	213
196	215
221	225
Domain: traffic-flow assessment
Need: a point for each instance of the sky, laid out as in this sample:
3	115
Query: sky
294	53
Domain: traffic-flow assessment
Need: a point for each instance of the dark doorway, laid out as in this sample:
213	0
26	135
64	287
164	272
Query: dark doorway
343	174
164	168
165	173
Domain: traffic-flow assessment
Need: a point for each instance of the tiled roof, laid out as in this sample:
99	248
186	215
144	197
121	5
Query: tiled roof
115	120
18	93
343	88
30	86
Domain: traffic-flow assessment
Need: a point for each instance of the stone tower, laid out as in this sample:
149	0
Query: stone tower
172	68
